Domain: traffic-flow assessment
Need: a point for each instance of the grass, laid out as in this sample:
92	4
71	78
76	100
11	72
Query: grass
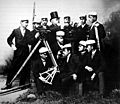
53	97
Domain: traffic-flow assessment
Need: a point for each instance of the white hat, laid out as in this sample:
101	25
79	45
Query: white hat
43	50
82	42
82	16
67	45
90	42
24	19
93	13
60	33
37	20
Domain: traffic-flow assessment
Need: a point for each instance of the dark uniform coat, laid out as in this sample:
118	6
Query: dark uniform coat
98	65
101	33
97	62
68	34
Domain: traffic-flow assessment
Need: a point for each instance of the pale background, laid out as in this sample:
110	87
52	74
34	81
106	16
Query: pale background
11	11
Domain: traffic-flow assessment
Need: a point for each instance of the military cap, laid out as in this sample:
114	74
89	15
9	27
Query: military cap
36	20
92	14
82	42
60	33
67	45
90	42
67	18
43	50
44	19
24	19
82	17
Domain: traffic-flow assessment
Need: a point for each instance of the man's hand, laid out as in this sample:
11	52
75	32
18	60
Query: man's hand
93	76
74	76
89	68
14	47
37	35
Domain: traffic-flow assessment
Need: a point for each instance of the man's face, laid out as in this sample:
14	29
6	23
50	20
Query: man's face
44	22
92	18
55	21
24	24
36	25
89	48
81	48
60	39
82	21
43	55
66	22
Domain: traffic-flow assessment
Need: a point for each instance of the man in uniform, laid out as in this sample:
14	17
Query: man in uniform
97	31
44	23
95	65
67	27
41	65
82	31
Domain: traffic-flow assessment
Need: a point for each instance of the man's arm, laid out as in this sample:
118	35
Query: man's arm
10	38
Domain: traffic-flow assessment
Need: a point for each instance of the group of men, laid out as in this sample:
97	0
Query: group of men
77	50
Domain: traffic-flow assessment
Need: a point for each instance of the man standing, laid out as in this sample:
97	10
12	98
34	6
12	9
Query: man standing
67	27
83	28
44	23
21	51
97	31
53	28
82	31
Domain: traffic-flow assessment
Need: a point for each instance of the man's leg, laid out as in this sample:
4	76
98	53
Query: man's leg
101	82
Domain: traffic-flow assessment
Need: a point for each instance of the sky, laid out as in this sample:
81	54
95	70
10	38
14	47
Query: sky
11	12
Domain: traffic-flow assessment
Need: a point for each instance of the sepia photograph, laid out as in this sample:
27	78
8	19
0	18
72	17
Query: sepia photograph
60	52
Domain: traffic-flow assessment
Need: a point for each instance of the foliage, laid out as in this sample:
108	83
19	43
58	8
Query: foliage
6	67
56	98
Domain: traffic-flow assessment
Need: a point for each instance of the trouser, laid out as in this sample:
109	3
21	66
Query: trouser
101	82
41	87
24	75
96	84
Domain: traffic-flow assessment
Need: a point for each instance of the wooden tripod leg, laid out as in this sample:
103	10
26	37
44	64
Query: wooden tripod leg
25	61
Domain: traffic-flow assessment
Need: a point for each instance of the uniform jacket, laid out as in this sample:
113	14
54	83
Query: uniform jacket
67	30
97	62
39	67
101	33
82	32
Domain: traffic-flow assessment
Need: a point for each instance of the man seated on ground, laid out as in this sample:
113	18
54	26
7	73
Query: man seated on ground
81	56
76	66
41	65
95	66
66	76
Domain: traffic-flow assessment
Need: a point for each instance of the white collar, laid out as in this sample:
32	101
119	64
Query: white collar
93	24
61	46
83	25
93	53
22	30
68	57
